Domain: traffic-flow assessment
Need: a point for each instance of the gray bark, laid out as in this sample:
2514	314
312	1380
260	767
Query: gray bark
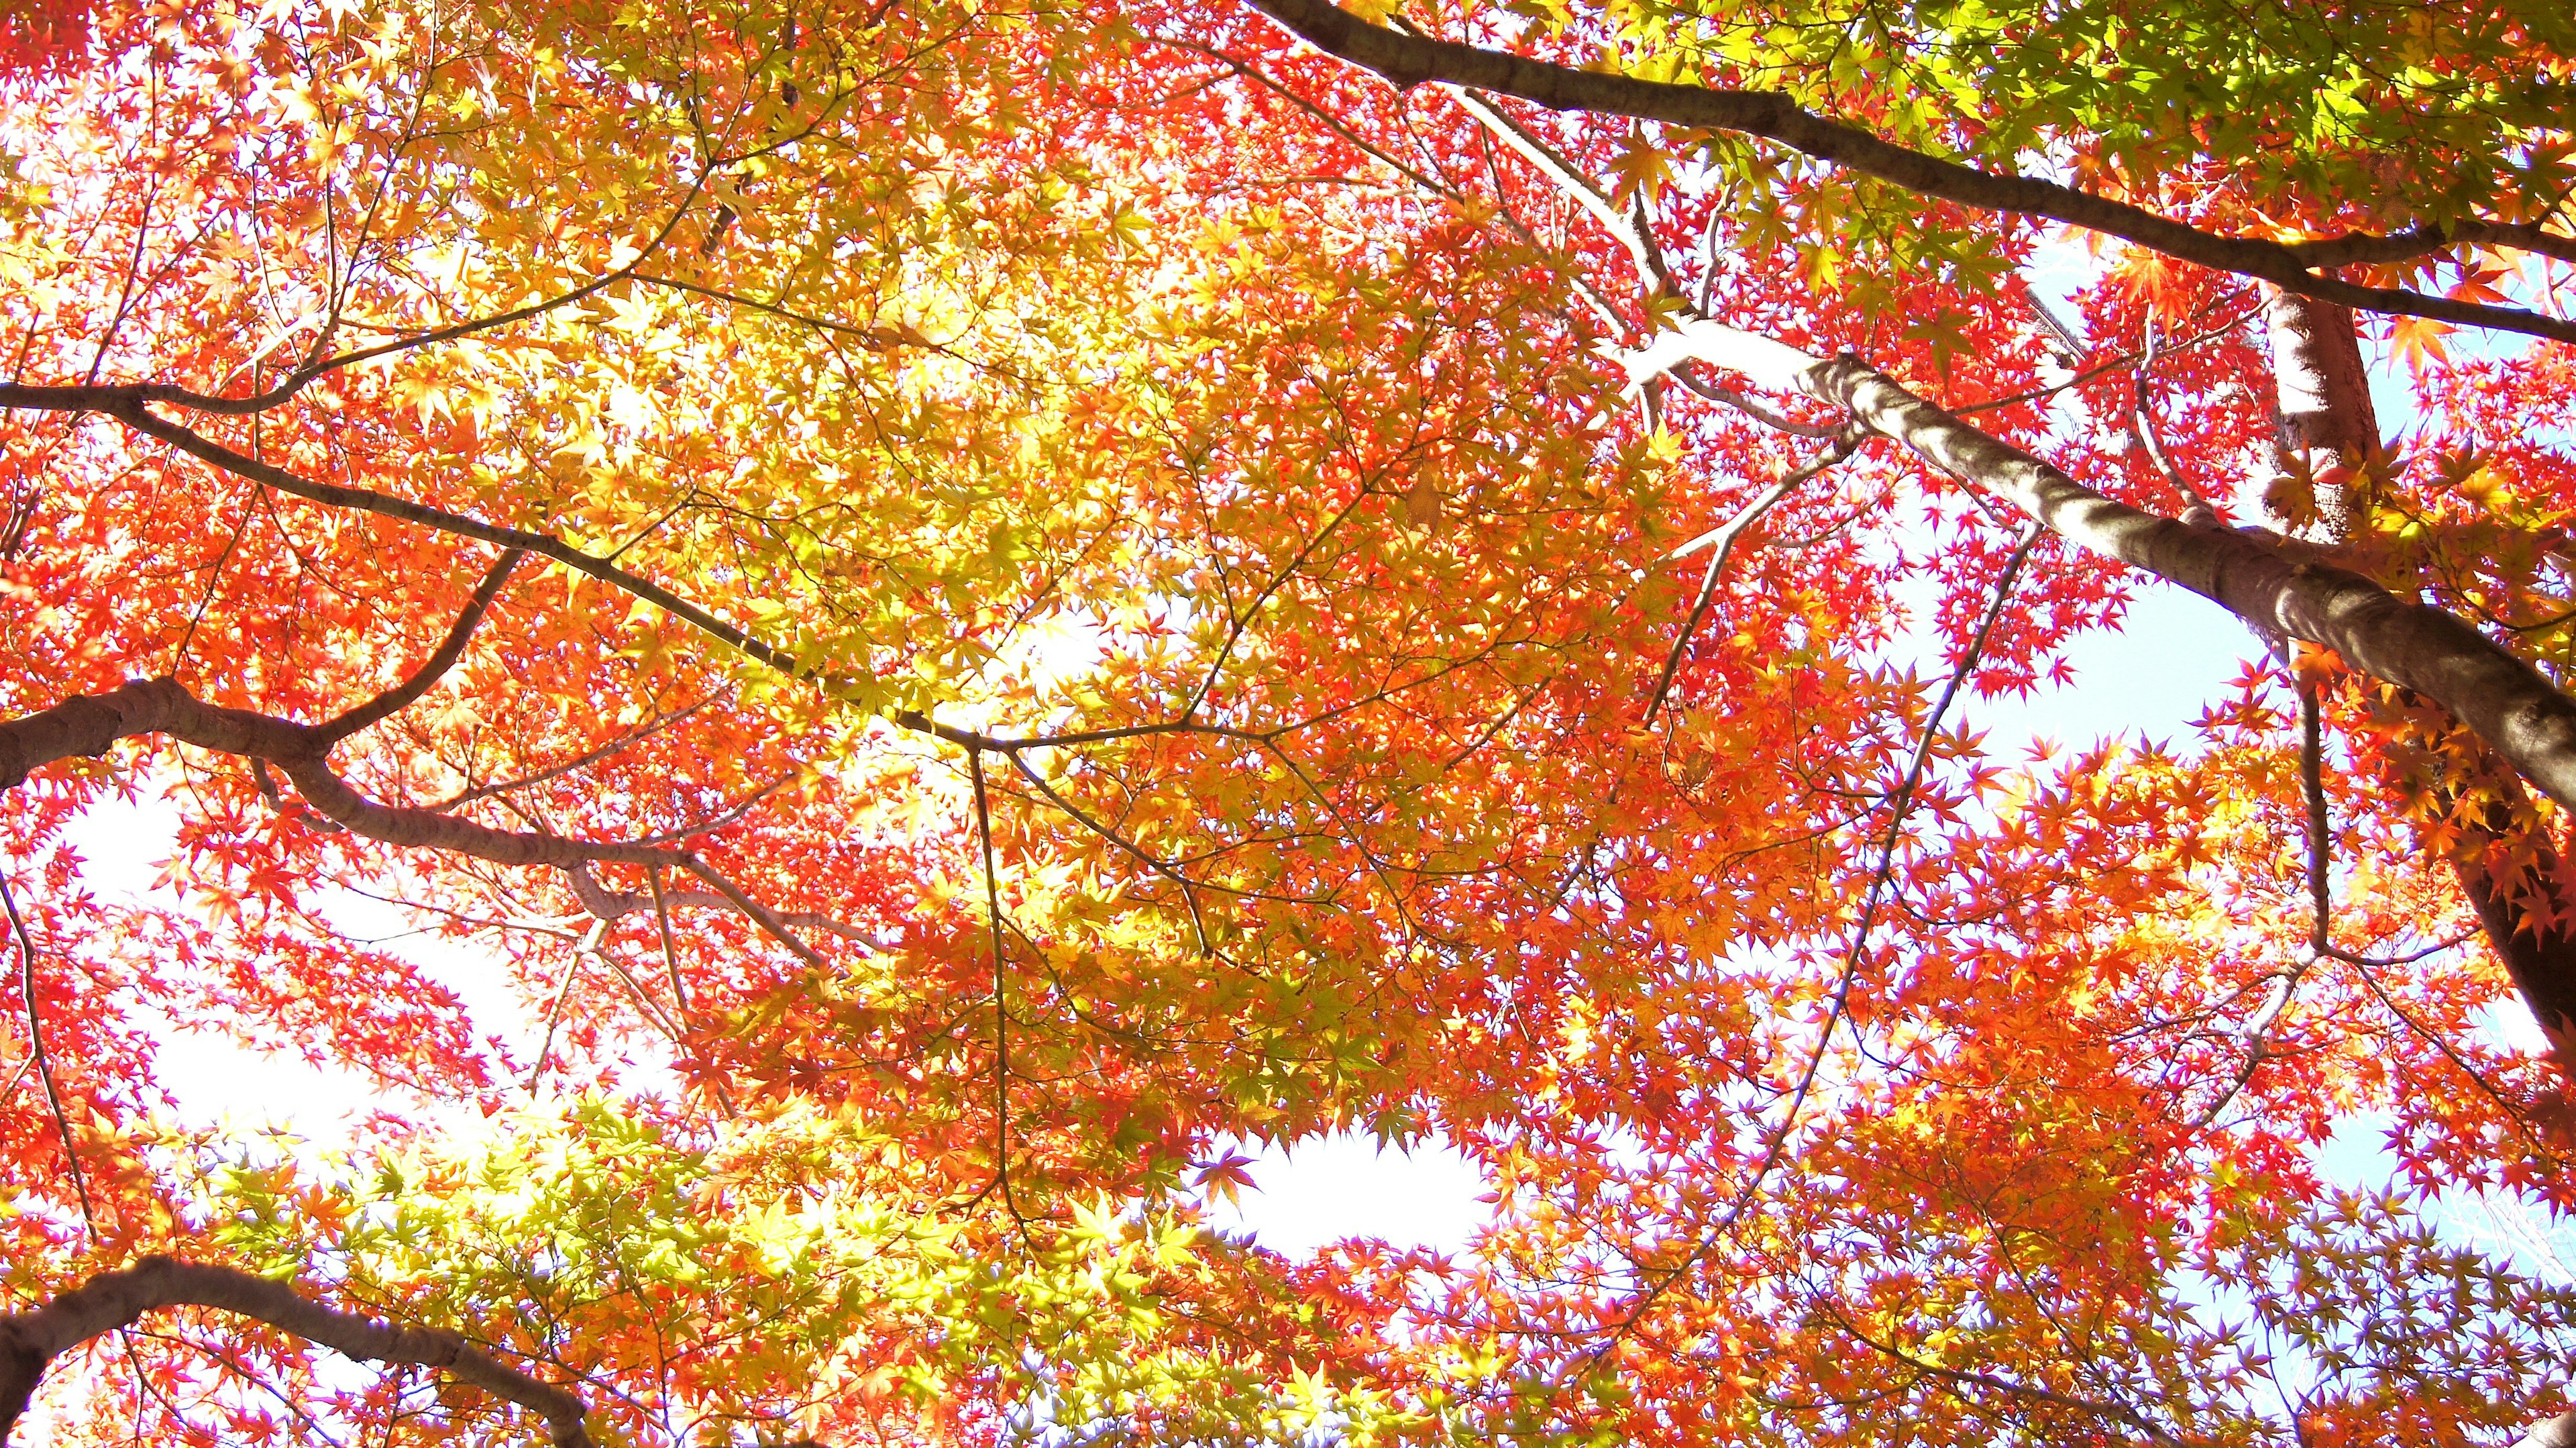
2327	419
2558	1432
2519	714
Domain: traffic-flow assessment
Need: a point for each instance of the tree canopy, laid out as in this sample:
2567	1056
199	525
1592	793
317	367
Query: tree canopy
980	605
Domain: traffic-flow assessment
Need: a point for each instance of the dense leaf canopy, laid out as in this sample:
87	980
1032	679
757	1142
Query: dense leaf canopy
977	606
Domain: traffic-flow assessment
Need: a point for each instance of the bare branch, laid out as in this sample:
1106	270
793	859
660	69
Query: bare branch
92	723
26	944
603	903
1900	801
563	992
333	495
1150	860
1624	228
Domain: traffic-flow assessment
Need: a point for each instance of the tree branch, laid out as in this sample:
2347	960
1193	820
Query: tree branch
92	723
332	495
1407	60
2425	240
1723	537
137	393
26	943
112	1300
1624	228
133	414
402	695
612	905
2503	699
1150	860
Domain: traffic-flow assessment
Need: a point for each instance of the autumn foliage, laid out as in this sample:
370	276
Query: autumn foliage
971	607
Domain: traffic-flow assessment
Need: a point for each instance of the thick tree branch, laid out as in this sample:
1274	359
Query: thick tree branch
2505	701
91	724
2558	1432
112	1300
1408	60
2518	882
2426	240
333	495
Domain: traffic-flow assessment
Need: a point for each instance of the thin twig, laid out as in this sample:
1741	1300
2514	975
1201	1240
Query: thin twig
554	1012
1151	861
1636	239
1900	801
1724	537
2312	789
2320	859
1001	997
214	579
2390	961
2142	422
2125	359
36	1053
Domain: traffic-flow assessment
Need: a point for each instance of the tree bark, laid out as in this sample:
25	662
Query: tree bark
2519	714
2502	698
2512	873
2517	880
93	723
112	1300
2327	419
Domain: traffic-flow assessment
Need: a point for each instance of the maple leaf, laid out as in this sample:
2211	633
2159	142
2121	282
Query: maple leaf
1224	1178
2417	341
1641	169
